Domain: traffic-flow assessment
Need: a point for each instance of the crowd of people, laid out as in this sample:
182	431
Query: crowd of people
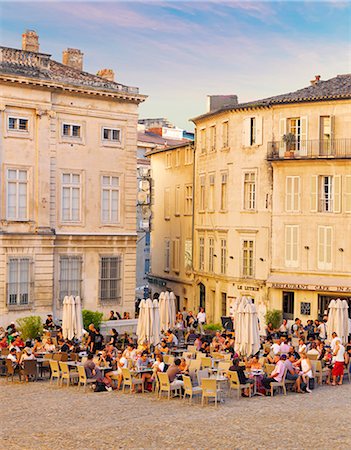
289	349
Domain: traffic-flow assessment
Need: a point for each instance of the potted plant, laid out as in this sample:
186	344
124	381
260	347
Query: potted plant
289	139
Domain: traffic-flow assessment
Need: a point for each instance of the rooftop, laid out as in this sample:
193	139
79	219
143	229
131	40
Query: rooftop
39	67
336	88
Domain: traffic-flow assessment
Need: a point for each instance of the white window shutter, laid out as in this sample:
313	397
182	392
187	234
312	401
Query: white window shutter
332	129
296	191
287	246
337	193
246	132
304	135
259	130
314	193
347	194
321	246
294	245
288	194
282	131
328	249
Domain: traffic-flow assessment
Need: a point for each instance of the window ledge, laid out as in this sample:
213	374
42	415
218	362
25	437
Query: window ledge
18	307
177	214
223	211
249	211
225	149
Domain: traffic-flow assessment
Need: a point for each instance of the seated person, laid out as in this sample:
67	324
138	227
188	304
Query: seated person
49	323
26	355
184	366
205	348
277	374
38	346
64	346
162	348
91	369
121	363
49	346
112	316
284	347
172	372
144	363
240	370
292	373
171	338
254	364
158	366
313	349
12	356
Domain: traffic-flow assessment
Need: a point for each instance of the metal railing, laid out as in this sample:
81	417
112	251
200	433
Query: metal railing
309	149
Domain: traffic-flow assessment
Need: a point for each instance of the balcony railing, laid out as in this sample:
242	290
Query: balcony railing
309	149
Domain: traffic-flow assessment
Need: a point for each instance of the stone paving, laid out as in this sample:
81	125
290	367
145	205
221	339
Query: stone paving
40	416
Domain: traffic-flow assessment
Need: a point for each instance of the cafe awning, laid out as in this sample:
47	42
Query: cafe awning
310	282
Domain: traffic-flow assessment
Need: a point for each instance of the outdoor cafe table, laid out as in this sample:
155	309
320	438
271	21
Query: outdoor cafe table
177	351
220	380
77	363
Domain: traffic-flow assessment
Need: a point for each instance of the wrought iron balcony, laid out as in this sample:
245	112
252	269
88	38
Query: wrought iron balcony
309	149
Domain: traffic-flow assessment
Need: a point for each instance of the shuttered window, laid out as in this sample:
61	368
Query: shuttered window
70	276
347	205
324	247
292	196
18	281
291	245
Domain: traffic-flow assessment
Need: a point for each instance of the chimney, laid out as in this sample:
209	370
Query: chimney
315	81
73	57
30	41
108	74
215	102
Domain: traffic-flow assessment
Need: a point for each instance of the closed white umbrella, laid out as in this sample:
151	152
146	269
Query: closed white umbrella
172	310
163	311
156	323
141	326
79	318
331	318
65	324
72	317
255	331
167	310
148	320
345	308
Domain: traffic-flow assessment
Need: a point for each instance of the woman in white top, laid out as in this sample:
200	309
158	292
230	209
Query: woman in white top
338	359
49	346
306	370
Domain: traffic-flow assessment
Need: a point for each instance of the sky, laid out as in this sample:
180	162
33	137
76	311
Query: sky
178	52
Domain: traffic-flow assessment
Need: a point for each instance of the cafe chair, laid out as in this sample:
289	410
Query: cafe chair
189	389
55	371
82	378
165	385
66	374
30	369
130	381
234	383
209	390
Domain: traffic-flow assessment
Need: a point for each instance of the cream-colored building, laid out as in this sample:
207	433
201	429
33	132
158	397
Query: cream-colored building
272	184
172	222
68	194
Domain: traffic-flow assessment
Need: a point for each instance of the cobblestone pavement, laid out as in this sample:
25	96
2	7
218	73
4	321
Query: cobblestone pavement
40	416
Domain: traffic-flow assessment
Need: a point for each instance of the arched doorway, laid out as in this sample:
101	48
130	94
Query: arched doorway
202	295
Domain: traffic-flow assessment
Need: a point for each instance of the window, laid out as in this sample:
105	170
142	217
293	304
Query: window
223	256
211	193
252	130
213	138
224	304
291	245
17	194
189	155
18	124
18	283
203	140
326	193
292	196
167	244
297	126
202	193
167	207
247	258
188	254
288	305
110	278
225	134
250	191
211	254
147	265
71	193
177	158
224	178
111	134
189	199
110	199
70	130
175	254
324	248
168	160
177	201
147	239
201	253
70	276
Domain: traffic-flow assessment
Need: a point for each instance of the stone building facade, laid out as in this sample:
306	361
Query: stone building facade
272	192
68	164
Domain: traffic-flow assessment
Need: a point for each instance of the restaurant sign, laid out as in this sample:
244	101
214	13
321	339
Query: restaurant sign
311	287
